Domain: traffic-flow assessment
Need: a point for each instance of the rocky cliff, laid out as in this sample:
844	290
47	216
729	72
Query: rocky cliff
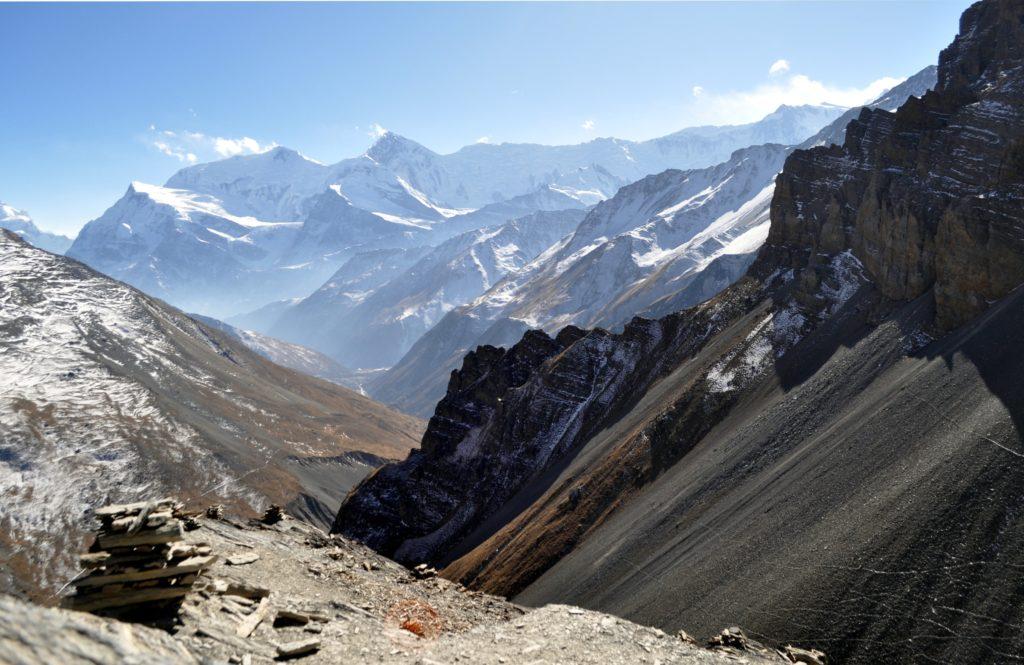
836	436
928	197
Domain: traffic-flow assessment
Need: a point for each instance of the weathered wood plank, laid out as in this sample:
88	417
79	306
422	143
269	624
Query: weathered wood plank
236	642
151	521
298	648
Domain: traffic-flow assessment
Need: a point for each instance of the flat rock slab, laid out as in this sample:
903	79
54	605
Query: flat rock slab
297	648
242	559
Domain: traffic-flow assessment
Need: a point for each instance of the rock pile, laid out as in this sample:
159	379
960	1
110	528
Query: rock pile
138	561
424	572
273	514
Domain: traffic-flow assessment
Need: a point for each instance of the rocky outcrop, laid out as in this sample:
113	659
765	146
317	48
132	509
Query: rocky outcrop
385	516
510	420
929	198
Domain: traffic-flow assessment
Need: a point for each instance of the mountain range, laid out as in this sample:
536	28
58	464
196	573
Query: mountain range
827	452
232	236
659	245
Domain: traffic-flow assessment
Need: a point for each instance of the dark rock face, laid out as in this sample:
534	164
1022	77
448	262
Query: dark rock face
510	419
928	197
389	509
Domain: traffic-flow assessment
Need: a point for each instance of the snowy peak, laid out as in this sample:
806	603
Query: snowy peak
21	223
232	235
271	185
390	147
12	215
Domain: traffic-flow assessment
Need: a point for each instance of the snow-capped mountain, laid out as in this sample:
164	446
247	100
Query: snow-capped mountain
186	248
663	243
367	325
236	234
592	171
21	223
273	185
641	245
107	394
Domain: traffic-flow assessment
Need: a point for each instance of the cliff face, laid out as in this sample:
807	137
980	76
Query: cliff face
810	443
928	197
511	419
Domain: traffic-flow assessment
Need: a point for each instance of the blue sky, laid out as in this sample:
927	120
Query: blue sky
96	96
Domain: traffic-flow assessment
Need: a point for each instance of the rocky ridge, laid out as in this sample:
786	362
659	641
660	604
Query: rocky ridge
288	590
928	197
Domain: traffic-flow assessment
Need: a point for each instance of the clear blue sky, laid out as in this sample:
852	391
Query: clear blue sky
91	91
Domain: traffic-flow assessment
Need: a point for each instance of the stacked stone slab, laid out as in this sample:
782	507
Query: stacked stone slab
138	560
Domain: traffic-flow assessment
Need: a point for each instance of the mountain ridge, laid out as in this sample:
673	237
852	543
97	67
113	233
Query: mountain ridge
108	393
409	196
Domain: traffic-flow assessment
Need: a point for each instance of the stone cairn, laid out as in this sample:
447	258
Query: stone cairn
137	562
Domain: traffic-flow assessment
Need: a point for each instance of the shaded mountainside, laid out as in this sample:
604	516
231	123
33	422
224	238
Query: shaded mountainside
828	451
106	393
292	356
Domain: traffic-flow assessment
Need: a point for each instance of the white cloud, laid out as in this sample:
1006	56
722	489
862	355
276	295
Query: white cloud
588	125
243	146
376	131
188	146
171	151
779	67
740	106
698	91
484	139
